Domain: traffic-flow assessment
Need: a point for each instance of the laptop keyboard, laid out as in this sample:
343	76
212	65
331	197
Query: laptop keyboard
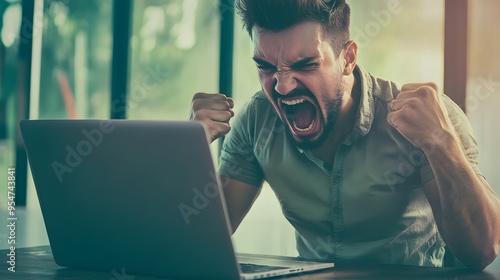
256	268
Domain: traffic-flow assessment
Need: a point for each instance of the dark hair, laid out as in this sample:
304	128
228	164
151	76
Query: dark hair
278	15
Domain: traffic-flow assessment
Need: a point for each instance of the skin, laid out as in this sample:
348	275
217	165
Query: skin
311	72
465	207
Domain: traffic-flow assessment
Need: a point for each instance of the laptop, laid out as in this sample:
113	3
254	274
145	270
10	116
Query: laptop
141	197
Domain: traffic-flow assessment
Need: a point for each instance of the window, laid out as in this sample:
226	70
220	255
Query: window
10	22
483	85
71	67
483	88
75	60
175	47
400	40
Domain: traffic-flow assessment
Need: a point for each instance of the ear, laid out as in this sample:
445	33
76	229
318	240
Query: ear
350	55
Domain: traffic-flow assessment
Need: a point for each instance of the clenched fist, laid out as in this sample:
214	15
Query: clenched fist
419	114
215	110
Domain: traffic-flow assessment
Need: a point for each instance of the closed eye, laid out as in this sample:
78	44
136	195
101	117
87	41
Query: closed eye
264	66
306	67
268	69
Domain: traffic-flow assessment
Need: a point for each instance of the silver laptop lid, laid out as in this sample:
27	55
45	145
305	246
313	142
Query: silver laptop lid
139	195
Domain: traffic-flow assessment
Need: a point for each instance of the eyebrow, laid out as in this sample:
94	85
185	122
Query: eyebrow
304	61
298	63
262	62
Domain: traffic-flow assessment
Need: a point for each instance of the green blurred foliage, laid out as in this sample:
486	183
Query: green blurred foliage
174	53
180	39
63	21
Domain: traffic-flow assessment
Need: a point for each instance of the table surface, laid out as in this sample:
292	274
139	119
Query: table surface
37	263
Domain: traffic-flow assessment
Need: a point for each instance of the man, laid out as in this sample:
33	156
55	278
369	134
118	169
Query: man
363	170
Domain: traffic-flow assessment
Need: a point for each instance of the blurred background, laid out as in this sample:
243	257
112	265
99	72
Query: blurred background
68	59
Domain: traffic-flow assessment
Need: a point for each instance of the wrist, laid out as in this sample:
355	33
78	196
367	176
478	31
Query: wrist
442	143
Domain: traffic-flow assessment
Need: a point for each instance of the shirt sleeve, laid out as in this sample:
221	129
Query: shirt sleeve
238	160
465	134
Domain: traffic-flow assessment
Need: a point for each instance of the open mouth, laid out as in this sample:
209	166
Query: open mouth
301	114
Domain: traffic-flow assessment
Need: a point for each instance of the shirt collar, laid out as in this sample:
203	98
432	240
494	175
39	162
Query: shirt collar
366	107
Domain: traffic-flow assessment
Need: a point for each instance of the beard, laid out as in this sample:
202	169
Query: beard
332	107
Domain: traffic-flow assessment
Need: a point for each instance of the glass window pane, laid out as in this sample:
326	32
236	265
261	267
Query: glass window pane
483	85
402	41
483	88
175	53
76	56
10	23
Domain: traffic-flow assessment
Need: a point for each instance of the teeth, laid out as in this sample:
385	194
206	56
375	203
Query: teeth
294	101
304	129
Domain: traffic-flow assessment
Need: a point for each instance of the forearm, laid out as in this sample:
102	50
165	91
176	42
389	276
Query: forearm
469	211
239	198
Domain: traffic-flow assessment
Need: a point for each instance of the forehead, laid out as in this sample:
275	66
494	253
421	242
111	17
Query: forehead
301	40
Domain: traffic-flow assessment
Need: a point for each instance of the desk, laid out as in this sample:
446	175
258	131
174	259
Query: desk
37	263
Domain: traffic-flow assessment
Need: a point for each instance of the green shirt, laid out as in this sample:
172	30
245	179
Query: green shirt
370	205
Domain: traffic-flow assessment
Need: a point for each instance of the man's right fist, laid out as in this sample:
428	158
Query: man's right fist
215	110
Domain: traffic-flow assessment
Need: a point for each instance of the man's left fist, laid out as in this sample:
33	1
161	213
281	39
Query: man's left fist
419	114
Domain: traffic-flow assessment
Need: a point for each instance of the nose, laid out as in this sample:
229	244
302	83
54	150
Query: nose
285	82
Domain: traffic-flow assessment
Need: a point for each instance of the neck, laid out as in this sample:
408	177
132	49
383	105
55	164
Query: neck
345	121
